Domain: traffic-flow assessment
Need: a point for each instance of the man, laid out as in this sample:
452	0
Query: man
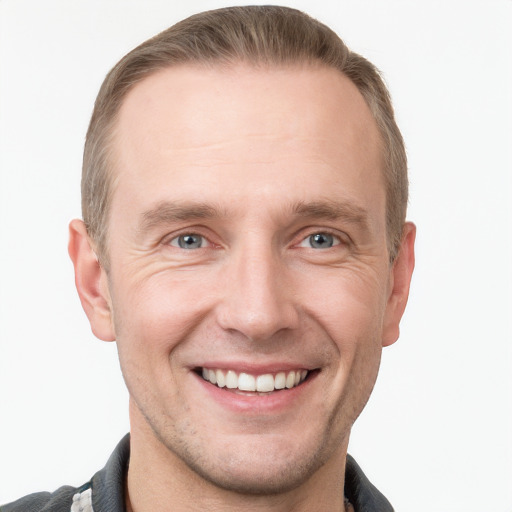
244	241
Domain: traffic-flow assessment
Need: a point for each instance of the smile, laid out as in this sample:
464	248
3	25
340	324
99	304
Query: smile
265	383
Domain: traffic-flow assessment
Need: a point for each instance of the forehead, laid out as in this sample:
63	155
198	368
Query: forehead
185	129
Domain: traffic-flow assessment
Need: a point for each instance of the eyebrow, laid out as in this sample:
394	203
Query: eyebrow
166	212
333	210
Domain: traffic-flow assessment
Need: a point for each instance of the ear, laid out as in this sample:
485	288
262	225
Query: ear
400	280
91	282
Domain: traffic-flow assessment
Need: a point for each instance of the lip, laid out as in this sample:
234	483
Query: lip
255	403
252	368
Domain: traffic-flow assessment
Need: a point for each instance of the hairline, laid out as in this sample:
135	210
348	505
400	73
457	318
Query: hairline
107	138
222	65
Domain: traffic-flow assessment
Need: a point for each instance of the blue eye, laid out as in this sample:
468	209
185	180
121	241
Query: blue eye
320	241
188	241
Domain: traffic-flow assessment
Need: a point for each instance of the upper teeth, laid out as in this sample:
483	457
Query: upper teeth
246	382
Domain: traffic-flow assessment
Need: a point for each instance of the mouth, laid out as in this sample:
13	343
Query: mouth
264	383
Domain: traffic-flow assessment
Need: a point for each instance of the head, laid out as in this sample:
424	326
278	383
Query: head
250	189
262	36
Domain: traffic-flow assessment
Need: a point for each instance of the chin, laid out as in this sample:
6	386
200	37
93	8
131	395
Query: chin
257	477
255	465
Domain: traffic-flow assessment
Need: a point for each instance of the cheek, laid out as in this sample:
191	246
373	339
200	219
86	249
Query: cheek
163	304
149	323
350	307
355	323
153	318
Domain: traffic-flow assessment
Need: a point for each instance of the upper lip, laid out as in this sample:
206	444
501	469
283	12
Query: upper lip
253	368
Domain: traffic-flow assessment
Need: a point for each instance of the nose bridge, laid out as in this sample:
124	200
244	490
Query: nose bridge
257	302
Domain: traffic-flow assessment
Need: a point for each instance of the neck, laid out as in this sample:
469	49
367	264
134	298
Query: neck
159	480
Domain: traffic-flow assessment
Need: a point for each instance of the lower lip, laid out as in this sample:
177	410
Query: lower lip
256	403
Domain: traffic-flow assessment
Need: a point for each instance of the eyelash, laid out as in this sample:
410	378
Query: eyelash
189	234
337	240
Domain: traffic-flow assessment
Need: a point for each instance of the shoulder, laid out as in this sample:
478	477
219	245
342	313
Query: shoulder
104	492
361	493
61	500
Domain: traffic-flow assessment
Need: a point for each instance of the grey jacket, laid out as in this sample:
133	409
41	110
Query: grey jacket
105	491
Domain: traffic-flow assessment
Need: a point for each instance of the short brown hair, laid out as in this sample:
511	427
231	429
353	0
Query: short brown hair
269	35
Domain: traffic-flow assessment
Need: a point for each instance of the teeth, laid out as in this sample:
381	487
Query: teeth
246	382
265	383
290	380
221	379
280	380
231	380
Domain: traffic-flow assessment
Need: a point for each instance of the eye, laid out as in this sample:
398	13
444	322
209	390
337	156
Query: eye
320	241
189	241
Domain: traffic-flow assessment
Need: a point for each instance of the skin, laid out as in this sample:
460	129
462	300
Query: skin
254	162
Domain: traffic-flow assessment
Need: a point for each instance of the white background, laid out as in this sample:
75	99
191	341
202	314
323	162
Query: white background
437	433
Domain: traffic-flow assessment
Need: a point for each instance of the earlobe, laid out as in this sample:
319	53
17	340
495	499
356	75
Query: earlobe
91	282
401	275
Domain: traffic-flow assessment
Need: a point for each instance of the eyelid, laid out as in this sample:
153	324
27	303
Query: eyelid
173	241
337	238
341	238
205	243
198	231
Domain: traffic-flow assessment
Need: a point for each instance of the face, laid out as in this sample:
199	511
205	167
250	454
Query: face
250	289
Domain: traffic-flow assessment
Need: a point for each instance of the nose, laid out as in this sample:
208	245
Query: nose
258	296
